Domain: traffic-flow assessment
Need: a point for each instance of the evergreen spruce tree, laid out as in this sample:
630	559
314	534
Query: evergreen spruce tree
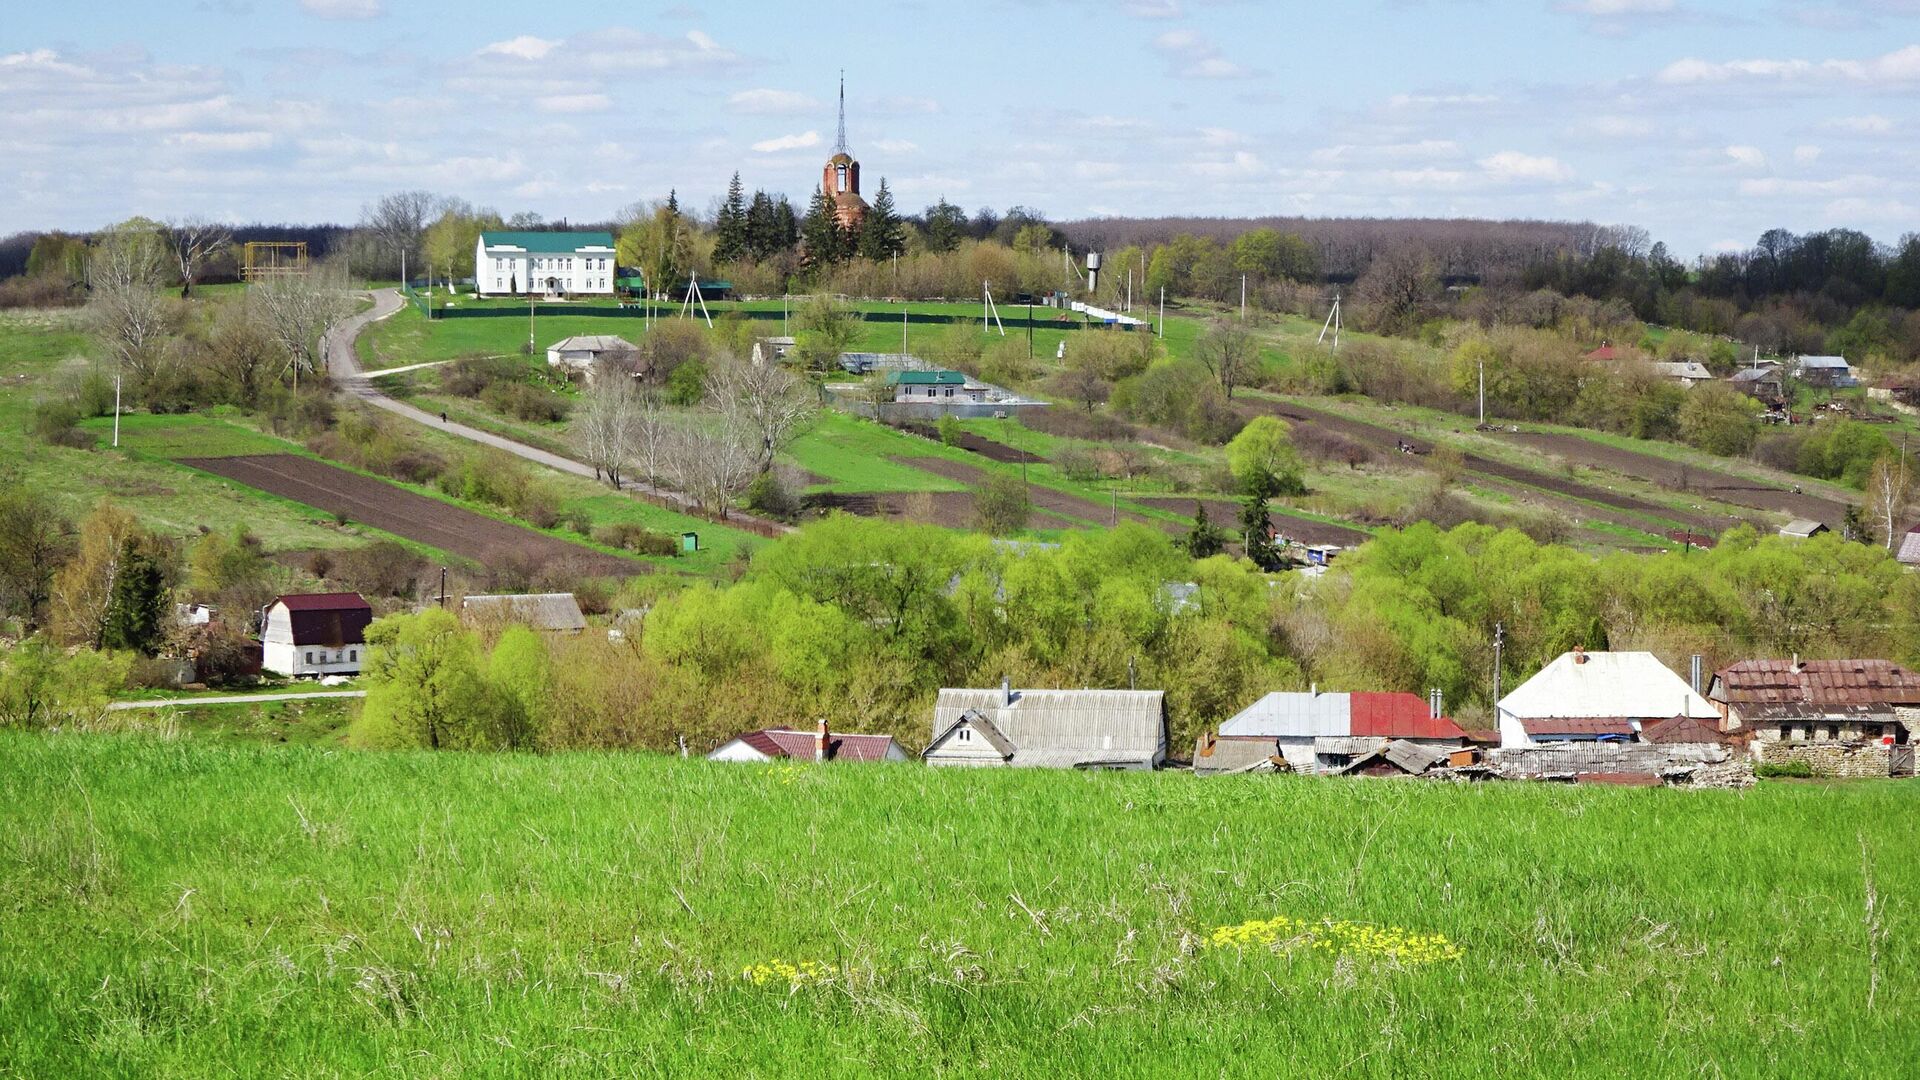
1205	538
1255	529
673	202
946	223
730	231
821	234
137	604
787	225
763	227
881	234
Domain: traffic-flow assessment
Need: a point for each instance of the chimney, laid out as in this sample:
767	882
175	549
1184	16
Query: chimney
820	743
1435	704
1579	654
1694	672
1313	689
1006	690
1796	663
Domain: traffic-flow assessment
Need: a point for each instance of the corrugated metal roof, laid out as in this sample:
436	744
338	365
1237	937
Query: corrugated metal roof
541	611
1682	369
326	601
801	746
548	242
1909	552
1802	527
1578	725
590	343
1681	729
1226	755
1817	682
1398	715
1838	363
1613	685
1294	715
1065	727
926	378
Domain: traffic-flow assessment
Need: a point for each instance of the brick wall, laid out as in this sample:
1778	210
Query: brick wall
1848	760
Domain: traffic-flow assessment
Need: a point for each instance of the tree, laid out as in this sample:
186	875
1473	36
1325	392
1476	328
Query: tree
1719	420
519	674
658	241
138	603
766	402
1082	383
42	686
732	238
84	588
712	458
825	328
1888	490
1265	448
1392	295
763	228
1205	539
424	686
398	222
602	428
242	354
451	240
296	309
822	238
35	539
1230	351
881	234
193	240
1256	527
946	224
1001	506
124	275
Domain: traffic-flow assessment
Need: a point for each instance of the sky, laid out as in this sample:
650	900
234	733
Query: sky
1705	122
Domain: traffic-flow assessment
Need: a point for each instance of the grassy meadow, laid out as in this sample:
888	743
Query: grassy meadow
186	906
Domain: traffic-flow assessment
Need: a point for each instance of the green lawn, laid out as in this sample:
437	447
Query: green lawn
175	907
851	455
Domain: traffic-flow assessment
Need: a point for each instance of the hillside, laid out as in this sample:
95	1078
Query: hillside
293	911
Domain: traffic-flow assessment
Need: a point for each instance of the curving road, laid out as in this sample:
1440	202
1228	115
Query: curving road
233	699
343	365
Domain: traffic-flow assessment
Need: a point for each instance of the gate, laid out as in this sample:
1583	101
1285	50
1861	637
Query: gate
1900	760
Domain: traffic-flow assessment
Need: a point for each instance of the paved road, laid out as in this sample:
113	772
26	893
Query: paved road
343	364
236	699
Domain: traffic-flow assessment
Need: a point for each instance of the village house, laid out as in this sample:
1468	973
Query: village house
1908	553
1802	529
1828	371
822	744
583	352
1798	700
1059	729
1764	382
315	634
1331	733
1688	373
917	387
546	263
549	613
1596	697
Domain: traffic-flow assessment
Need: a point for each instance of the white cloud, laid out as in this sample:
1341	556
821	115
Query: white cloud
772	102
1806	155
1153	9
524	47
901	105
342	9
1899	67
1747	157
788	142
1844	186
1870	124
895	146
1512	166
1433	102
1891	211
574	103
1350	154
1191	56
1612	8
222	141
1616	127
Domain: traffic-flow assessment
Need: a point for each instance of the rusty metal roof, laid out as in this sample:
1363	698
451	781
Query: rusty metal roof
1681	729
1398	715
1817	682
1579	725
800	745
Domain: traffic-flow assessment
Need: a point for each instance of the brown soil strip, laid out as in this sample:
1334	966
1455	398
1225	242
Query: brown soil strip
1044	498
403	513
1713	484
952	509
1225	513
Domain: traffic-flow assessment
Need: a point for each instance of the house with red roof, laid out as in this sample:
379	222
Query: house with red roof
315	634
1326	733
821	744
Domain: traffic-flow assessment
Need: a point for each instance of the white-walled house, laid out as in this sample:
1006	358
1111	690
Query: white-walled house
545	263
315	634
1597	697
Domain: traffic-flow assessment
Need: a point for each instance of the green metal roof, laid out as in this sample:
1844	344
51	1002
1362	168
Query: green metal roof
561	243
926	378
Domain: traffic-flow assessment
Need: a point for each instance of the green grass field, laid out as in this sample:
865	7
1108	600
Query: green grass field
186	906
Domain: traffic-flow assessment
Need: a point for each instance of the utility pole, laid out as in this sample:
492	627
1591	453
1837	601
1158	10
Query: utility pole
1115	492
530	345
1243	298
903	329
116	408
1483	391
1499	640
443	587
1029	326
1163	311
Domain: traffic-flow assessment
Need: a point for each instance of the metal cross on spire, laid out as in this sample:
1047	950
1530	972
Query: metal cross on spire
840	141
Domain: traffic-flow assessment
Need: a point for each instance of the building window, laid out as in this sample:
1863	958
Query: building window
1786	732
353	654
966	734
1833	732
309	656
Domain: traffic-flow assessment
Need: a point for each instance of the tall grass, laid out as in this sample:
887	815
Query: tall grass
184	908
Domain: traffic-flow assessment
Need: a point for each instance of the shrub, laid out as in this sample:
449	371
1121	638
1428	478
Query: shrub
577	520
949	431
523	401
382	568
630	536
1001	505
57	422
772	495
1774	770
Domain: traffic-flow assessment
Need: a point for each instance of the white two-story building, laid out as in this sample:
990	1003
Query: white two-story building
544	263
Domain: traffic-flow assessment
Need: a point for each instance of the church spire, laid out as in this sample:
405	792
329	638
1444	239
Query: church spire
840	141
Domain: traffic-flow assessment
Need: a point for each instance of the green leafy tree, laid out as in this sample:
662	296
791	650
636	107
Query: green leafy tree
35	539
1719	420
881	234
824	328
1264	448
425	688
450	241
946	225
519	672
43	686
732	237
1001	506
87	593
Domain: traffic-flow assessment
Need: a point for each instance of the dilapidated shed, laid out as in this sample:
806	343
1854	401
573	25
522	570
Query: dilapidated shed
1060	729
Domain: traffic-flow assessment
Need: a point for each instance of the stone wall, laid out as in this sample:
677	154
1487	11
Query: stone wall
1579	757
1849	760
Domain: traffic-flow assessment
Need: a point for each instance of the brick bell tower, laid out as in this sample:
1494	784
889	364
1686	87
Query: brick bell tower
840	179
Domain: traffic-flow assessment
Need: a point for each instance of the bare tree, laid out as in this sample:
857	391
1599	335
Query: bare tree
194	239
1229	351
1887	493
297	309
766	402
712	458
603	427
124	274
398	221
651	432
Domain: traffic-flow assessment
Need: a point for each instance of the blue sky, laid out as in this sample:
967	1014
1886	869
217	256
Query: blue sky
1706	122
